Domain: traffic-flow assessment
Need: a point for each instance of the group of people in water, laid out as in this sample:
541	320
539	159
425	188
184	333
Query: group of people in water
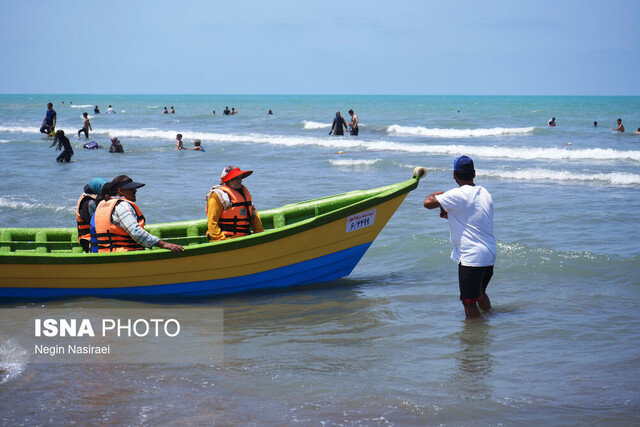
339	122
619	128
197	144
109	220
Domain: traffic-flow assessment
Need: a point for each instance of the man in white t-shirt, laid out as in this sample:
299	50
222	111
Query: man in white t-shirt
469	210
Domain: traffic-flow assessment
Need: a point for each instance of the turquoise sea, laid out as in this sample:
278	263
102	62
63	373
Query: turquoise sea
389	344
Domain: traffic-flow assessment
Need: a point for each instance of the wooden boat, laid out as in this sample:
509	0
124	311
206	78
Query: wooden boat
314	241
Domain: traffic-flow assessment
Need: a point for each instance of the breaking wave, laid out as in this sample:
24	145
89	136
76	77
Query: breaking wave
455	133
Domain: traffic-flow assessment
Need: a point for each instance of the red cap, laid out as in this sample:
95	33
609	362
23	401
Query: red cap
231	172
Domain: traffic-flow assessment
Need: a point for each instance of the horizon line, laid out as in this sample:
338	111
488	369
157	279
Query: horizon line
295	94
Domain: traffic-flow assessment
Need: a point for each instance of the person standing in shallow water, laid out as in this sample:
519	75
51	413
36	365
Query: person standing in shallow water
86	127
65	145
49	122
469	210
337	126
353	125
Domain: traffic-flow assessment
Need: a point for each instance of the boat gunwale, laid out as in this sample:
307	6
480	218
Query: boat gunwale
386	193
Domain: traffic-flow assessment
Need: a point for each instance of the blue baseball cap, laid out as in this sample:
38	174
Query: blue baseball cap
463	164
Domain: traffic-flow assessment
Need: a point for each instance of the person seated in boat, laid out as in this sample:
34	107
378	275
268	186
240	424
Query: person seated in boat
106	193
85	208
230	210
120	223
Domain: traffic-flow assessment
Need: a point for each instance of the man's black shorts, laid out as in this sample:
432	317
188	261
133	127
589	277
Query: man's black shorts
473	281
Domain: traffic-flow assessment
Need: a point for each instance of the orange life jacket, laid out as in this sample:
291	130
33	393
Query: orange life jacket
111	237
83	226
236	220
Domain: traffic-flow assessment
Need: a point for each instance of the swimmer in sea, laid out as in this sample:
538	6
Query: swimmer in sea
552	122
197	146
620	127
86	127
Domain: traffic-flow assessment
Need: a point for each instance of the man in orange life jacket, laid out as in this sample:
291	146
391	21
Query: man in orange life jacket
230	211
84	210
120	223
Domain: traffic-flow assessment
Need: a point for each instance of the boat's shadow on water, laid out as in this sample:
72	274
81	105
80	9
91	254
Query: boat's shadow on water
342	287
339	288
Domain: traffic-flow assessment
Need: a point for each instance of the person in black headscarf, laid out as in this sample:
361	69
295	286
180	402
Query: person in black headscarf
338	123
64	145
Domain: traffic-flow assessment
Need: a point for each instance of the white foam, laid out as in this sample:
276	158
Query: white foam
519	153
19	129
81	106
315	125
616	178
354	162
13	358
455	133
347	143
22	205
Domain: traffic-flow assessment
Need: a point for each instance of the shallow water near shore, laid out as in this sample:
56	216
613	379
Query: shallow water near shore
387	345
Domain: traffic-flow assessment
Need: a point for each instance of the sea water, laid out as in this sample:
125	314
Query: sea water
389	344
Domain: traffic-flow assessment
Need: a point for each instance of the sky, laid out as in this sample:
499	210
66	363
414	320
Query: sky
441	47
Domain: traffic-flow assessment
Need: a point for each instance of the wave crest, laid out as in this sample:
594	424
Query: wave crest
615	178
307	124
455	133
354	162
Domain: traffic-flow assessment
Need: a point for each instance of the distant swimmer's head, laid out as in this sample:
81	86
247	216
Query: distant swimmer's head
351	112
463	168
59	133
619	121
115	140
50	105
197	142
85	115
595	123
179	136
